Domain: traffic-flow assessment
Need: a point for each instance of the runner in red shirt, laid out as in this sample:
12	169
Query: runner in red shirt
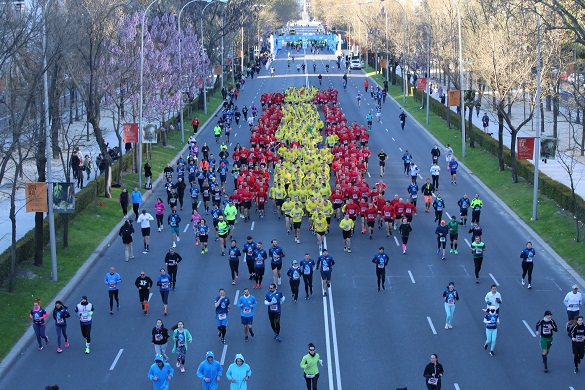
399	211
388	215
371	215
409	210
363	205
261	198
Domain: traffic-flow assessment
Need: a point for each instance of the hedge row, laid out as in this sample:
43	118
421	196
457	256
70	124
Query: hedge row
558	192
25	246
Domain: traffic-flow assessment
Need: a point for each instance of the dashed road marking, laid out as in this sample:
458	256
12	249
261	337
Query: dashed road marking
529	328
223	354
396	240
252	226
116	359
411	277
467	242
494	279
431	325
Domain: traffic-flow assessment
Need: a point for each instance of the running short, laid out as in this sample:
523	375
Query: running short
336	206
572	314
223	235
371	223
175	230
297	225
326	275
247	320
203	238
276	266
463	213
259	271
453	237
206	198
145	232
279	202
346	234
219	322
321	234
261	206
546	343
382	163
231	222
247	204
409	218
428	199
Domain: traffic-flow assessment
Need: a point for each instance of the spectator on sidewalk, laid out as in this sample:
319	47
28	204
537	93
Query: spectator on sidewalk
101	163
74	163
80	169
136	198
87	166
485	121
195	124
126	232
124	201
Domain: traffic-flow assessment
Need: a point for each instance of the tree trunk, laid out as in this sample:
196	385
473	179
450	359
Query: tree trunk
501	140
470	127
555	102
513	134
12	216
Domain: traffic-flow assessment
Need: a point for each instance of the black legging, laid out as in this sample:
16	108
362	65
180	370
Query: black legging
435	180
381	276
274	321
475	214
308	281
159	220
172	271
578	352
124	209
527	269
143	294
250	264
405	240
477	261
294	287
234	267
86	332
312	382
136	208
113	295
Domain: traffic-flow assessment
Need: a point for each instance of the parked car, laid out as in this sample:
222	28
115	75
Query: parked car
356	64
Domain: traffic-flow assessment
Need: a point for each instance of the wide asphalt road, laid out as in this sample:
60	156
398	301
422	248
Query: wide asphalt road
368	340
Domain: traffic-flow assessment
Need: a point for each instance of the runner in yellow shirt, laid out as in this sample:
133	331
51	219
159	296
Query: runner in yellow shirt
296	215
346	225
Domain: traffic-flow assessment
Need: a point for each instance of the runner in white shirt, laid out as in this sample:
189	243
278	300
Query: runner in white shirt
144	221
573	301
493	298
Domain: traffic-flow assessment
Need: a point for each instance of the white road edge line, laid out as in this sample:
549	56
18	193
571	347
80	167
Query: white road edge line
116	359
223	354
431	325
252	226
411	277
467	242
334	335
571	388
494	279
529	329
328	344
396	241
457	386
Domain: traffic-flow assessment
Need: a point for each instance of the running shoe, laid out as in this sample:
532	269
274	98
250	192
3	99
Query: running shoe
66	344
182	369
529	286
278	338
178	364
523	283
87	350
455	251
40	348
246	339
47	340
59	350
178	238
251	332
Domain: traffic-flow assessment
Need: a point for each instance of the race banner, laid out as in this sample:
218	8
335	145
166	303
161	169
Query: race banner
453	98
36	198
525	148
421	84
130	132
64	198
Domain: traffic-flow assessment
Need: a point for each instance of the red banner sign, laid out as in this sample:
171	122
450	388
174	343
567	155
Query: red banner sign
421	84
130	132
525	148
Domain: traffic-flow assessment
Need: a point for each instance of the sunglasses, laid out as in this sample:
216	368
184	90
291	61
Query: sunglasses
311	349
142	274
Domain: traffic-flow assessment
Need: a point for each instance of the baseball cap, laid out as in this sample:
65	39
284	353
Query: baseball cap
575	286
295	262
548	313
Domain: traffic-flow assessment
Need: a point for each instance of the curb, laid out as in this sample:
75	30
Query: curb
531	233
29	335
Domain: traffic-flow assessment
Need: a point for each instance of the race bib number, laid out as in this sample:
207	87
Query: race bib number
478	251
164	285
112	285
580	338
273	307
247	310
222	316
158	337
546	330
380	265
260	262
60	320
181	343
414	196
450	302
84	317
442	239
433	381
528	259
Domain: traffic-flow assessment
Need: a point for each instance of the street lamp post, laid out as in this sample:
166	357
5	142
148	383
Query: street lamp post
462	115
428	59
48	145
537	126
141	97
403	50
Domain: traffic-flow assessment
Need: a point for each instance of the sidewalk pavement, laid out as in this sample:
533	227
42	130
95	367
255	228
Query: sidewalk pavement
25	221
551	168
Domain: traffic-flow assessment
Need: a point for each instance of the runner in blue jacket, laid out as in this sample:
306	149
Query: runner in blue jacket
210	372
160	373
238	373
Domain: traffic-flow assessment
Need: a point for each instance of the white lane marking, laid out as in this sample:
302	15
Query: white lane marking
386	130
431	325
116	359
252	226
396	241
420	176
571	388
235	135
149	296
448	215
223	353
231	143
559	287
467	242
411	277
328	344
494	279
186	227
198	204
237	296
334	334
368	174
457	386
324	242
400	149
529	329
393	139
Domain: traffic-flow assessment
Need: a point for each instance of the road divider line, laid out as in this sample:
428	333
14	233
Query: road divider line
223	354
116	359
328	344
386	130
494	279
431	325
252	226
420	176
334	334
400	149
393	139
237	296
457	386
448	215
411	277
186	227
396	240
467	242
368	174
529	328
149	296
